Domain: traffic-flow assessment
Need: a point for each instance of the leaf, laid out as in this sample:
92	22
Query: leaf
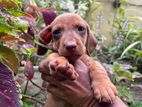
8	38
18	13
8	57
5	29
8	89
8	4
129	47
29	70
48	16
126	74
138	52
17	22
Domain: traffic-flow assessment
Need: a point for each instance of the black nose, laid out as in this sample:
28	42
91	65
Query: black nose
71	46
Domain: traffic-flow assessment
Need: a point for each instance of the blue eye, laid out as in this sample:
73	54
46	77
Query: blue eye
56	34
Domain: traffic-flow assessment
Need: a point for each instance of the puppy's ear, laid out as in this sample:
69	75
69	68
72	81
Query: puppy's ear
44	38
91	41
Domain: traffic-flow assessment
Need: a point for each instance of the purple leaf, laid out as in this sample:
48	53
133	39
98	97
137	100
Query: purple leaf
48	16
28	46
27	39
29	70
41	50
31	21
8	90
31	32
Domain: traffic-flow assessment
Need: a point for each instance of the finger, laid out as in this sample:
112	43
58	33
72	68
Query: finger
49	79
52	89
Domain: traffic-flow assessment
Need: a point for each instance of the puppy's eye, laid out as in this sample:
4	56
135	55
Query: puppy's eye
56	33
81	29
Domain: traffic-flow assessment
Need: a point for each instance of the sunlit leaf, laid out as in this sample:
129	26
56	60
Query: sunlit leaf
29	48
17	13
5	29
8	4
17	22
121	11
8	57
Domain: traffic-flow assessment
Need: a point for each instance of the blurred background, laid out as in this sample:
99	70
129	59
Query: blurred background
117	25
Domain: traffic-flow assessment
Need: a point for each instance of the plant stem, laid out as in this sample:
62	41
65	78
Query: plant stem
37	85
25	90
32	98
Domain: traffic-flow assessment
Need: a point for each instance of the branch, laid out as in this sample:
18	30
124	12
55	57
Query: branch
32	98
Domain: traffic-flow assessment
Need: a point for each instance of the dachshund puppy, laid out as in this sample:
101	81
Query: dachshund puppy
72	39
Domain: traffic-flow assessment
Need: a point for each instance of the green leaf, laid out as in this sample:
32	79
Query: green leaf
9	57
17	13
5	29
116	67
125	73
18	23
138	52
121	11
129	47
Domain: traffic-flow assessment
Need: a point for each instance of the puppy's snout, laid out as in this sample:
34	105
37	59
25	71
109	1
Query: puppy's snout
71	46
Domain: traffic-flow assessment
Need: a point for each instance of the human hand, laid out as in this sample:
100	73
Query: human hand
77	92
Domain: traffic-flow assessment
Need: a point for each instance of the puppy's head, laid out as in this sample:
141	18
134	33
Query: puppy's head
71	35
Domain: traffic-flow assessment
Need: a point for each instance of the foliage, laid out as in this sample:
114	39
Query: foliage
22	20
124	55
136	104
125	93
127	36
8	89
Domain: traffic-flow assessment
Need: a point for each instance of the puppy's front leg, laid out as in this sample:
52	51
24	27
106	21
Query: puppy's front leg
60	67
104	90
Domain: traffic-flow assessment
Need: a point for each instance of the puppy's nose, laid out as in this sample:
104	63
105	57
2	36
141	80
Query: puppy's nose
71	46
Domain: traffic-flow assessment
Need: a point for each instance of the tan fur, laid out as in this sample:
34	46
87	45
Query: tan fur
85	43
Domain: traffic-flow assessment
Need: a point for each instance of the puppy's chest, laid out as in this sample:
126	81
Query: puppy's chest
80	66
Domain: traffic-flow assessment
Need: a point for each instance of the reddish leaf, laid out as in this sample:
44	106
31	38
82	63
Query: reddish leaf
44	38
29	70
48	16
8	38
33	14
31	32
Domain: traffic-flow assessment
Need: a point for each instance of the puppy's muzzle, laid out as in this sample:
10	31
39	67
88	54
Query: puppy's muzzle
71	46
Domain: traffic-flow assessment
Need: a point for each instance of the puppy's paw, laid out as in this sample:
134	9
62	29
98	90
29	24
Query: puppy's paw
104	90
61	68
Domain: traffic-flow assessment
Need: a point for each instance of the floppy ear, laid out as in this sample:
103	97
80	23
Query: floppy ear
91	41
44	38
